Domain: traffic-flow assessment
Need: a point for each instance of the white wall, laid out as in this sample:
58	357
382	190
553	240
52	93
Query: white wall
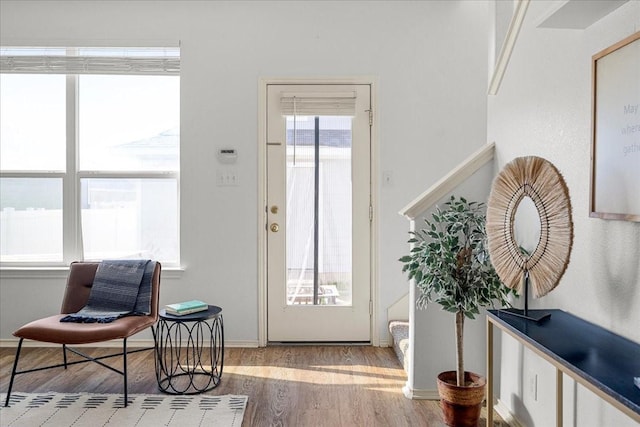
430	62
543	108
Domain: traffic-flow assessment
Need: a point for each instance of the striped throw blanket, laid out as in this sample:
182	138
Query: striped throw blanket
120	288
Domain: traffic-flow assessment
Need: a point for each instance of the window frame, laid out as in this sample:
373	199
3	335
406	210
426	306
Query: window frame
72	247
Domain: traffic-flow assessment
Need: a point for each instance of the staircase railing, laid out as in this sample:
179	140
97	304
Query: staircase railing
449	182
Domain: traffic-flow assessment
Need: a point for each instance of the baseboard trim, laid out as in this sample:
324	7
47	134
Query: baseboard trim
415	394
240	344
13	343
503	410
426	395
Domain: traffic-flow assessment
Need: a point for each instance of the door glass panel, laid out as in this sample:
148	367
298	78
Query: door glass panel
319	206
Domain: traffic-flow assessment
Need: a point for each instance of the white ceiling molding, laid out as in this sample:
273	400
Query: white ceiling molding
500	68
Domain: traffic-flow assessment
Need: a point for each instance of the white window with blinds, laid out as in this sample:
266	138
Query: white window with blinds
89	154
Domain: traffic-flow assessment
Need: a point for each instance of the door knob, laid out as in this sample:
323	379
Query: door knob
274	227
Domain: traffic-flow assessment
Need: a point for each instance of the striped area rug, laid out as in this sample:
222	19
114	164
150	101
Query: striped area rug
144	410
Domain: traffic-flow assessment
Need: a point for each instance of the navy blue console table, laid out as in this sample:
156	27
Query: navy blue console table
600	360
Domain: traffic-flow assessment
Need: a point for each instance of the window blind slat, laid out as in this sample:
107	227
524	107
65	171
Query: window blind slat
27	64
322	104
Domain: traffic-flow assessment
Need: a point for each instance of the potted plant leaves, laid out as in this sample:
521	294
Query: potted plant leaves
450	264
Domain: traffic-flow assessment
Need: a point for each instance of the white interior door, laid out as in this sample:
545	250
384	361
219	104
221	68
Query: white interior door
318	213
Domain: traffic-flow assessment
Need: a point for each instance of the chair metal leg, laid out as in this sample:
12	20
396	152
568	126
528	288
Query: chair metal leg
124	371
85	358
13	372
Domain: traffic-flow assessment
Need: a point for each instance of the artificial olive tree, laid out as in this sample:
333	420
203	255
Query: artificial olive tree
450	264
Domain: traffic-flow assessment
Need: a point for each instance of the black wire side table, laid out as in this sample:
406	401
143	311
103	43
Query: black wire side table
189	351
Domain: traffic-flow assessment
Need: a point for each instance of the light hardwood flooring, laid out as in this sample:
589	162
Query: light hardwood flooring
287	385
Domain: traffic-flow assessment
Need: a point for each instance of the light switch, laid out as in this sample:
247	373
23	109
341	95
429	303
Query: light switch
227	177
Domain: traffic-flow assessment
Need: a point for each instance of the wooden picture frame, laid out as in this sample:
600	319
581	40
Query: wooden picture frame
615	144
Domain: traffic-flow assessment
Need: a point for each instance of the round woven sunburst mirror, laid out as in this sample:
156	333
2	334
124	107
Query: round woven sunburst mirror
538	179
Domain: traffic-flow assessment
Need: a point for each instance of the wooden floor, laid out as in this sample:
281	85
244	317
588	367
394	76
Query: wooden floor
287	385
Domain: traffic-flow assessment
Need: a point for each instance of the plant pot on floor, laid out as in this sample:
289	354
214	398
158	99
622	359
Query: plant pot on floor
461	405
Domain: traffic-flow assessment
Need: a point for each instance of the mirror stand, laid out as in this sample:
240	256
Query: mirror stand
535	315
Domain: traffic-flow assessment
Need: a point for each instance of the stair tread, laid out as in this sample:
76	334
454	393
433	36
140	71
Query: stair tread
400	332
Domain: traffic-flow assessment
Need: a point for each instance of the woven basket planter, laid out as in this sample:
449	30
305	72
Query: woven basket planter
461	405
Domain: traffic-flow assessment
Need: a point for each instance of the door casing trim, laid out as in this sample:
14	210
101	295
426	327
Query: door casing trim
262	194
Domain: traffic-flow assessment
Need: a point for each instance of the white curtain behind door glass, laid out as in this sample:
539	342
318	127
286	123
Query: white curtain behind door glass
334	215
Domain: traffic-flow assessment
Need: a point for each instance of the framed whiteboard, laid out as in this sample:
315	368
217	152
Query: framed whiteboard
615	147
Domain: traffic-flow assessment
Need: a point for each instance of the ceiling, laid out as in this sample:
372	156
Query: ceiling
579	14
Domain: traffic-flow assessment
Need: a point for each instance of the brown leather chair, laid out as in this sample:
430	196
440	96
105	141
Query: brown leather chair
51	330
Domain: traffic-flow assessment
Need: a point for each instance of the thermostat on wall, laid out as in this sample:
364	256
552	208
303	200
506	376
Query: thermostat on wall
227	155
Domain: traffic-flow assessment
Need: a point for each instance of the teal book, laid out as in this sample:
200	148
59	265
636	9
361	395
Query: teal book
187	307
